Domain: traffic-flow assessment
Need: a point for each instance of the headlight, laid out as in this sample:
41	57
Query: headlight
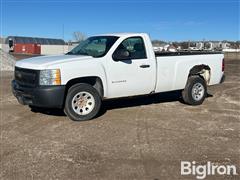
50	77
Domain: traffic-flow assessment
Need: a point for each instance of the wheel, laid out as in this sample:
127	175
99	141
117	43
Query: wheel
83	102
195	91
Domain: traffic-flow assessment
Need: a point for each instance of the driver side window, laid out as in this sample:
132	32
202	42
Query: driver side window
135	47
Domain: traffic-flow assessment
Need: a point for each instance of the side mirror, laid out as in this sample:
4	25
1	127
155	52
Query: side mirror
121	54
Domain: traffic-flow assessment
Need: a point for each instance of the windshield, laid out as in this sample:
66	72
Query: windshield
96	46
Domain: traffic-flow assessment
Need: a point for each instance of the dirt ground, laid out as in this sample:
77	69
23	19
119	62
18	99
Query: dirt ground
136	138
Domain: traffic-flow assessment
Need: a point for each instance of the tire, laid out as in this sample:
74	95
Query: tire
83	102
195	91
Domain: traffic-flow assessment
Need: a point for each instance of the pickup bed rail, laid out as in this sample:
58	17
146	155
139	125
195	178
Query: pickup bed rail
185	53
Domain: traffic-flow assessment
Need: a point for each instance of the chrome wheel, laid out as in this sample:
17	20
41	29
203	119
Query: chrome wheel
198	91
83	103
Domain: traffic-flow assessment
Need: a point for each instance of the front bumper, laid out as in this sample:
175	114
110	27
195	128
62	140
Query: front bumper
41	96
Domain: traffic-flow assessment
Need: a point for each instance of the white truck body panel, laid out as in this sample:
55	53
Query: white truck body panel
173	71
47	62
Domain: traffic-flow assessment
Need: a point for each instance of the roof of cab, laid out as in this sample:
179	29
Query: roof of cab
122	34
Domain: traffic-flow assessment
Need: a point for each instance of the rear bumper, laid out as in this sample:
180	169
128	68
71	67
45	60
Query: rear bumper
42	96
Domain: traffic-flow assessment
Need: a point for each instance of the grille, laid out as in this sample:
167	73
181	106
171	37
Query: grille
26	77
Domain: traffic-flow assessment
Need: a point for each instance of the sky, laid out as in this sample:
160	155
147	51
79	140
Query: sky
168	20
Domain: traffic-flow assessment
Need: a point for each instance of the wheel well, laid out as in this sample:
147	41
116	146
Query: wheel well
94	81
203	71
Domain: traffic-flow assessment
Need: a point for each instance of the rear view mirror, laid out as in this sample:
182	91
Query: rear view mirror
121	54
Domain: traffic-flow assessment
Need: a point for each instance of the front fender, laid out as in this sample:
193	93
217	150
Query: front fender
79	69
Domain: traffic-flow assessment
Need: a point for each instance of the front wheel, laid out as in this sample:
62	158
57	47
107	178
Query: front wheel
195	91
83	102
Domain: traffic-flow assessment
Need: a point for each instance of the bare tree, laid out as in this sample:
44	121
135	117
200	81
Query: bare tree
79	36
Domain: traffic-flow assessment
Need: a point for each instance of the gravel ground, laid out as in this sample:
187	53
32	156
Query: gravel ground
7	61
135	138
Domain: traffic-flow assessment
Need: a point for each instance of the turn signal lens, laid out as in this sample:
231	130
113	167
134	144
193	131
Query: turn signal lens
57	80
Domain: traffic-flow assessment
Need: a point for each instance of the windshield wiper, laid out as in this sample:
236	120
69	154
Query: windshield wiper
69	53
80	53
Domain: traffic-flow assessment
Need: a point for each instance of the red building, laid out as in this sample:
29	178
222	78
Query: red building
27	48
30	45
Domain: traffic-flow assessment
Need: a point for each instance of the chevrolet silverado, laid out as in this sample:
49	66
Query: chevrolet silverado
113	66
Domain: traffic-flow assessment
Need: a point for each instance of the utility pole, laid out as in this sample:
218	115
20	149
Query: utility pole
63	36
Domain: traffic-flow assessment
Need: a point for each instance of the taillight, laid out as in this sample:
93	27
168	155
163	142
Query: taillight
223	65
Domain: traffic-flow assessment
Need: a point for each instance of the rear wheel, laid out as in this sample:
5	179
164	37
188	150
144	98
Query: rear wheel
195	91
83	102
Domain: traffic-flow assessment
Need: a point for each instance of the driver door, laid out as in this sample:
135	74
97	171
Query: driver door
134	75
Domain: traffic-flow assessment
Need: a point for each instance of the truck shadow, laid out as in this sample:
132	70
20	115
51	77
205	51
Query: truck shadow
48	111
140	100
124	103
143	100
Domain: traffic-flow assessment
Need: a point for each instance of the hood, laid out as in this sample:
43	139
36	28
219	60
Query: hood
43	62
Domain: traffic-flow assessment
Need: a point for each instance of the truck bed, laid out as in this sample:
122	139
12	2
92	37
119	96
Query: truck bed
186	53
173	68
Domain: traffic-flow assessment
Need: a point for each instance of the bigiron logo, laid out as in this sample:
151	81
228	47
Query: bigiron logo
208	169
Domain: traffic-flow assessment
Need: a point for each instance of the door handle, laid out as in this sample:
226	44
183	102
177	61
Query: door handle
144	66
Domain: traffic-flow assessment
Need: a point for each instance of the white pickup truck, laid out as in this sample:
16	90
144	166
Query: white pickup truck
113	66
